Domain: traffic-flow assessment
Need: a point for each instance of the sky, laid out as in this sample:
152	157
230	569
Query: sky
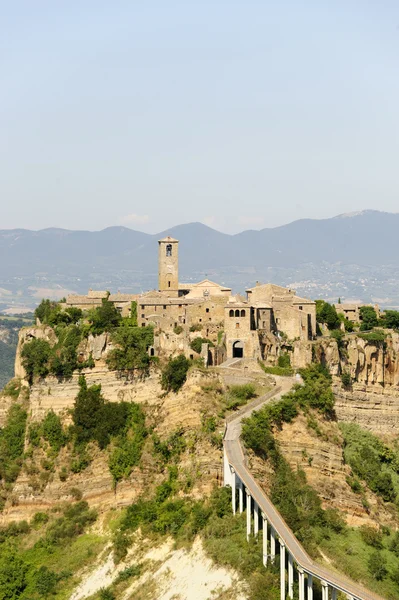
239	114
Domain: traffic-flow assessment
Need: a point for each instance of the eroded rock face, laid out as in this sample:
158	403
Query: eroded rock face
182	411
320	456
42	332
96	346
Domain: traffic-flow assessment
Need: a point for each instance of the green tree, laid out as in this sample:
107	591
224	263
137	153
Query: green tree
368	318
105	317
326	313
35	357
52	431
131	350
390	319
175	373
12	438
13	575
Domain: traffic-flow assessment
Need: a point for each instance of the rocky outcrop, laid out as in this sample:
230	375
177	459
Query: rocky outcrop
26	334
320	455
201	463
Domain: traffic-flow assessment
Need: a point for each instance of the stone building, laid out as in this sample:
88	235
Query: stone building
254	326
351	310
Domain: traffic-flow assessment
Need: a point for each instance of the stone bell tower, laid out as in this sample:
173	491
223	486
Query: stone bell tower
168	265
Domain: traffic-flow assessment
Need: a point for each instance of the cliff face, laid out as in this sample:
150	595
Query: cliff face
36	489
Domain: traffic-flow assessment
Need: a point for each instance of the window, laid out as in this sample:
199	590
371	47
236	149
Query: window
164	306
169	284
243	313
231	313
237	313
300	308
143	324
142	307
237	326
207	310
200	320
169	250
143	316
180	305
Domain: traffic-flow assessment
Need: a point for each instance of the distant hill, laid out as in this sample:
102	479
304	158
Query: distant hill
345	253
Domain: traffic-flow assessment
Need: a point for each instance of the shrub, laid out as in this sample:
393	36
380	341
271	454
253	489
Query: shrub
39	519
346	379
374	337
73	522
13	388
281	371
284	361
371	536
377	566
196	327
132	571
369	459
178	329
106	594
174	374
196	344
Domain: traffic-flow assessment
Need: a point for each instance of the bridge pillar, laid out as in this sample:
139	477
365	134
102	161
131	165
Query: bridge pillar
324	590
233	490
240	496
301	581
248	515
256	519
333	594
226	470
264	531
272	544
310	587
291	577
282	570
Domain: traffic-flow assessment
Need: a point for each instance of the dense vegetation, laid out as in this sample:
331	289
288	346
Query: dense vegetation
9	327
12	437
121	423
37	560
371	461
196	344
71	326
368	554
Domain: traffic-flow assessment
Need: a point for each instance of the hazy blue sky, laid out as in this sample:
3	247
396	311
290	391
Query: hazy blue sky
239	114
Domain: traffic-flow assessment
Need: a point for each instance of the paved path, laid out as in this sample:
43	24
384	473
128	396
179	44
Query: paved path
238	461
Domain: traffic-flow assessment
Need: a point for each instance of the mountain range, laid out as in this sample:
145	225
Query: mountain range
351	254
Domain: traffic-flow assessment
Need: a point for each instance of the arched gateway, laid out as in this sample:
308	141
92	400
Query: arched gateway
238	349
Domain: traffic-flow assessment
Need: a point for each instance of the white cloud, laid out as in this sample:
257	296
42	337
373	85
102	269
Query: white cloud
249	220
210	221
135	219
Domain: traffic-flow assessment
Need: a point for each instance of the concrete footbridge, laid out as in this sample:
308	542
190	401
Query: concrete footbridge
264	520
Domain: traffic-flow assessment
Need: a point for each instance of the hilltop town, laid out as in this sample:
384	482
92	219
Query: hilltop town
232	326
123	406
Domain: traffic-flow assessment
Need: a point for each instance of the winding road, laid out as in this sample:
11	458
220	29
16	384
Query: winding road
237	461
